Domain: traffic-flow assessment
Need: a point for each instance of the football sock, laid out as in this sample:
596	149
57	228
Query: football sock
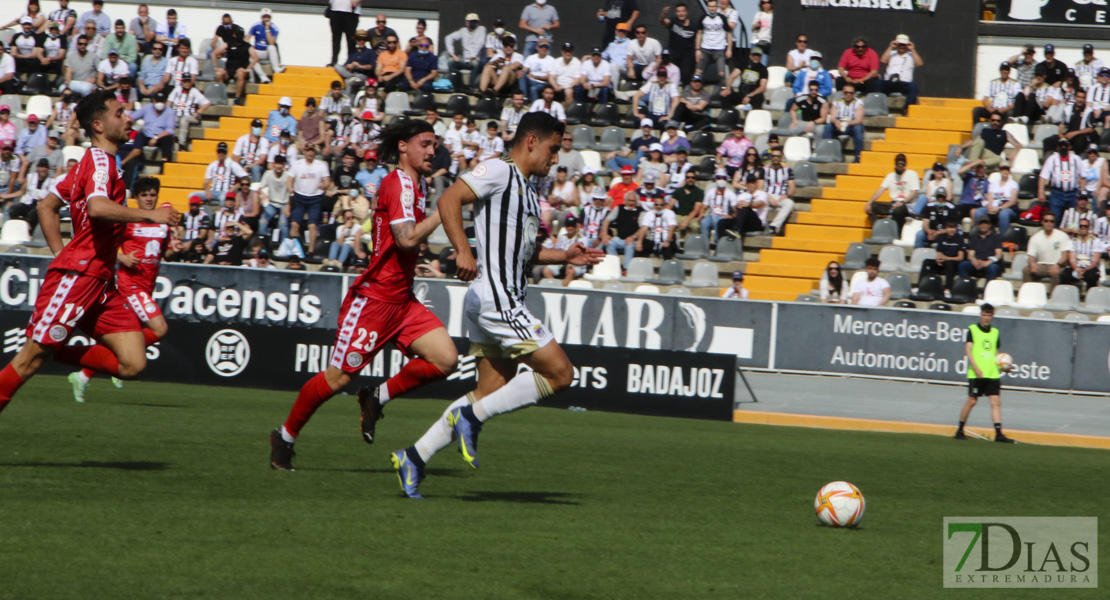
314	393
998	428
413	375
414	456
85	375
438	435
527	388
96	358
10	381
962	425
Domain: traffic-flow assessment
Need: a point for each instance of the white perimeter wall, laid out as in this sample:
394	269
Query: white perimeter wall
305	37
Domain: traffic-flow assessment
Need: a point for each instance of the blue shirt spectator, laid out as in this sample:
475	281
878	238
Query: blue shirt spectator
822	77
422	63
365	56
276	122
152	70
155	123
617	52
103	21
975	189
29	139
372	177
259	32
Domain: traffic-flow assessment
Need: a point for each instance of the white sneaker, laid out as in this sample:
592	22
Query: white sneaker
78	386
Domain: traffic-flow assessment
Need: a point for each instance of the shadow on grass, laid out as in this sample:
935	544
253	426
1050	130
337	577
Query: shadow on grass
432	472
150	404
96	464
521	497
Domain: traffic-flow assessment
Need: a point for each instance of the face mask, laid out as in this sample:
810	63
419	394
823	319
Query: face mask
499	30
471	26
256	131
659	211
284	111
159	106
284	143
814	65
422	51
541	2
721	184
1062	152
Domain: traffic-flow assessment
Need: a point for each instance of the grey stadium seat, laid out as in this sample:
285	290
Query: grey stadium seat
883	231
583	137
216	93
779	96
828	151
856	255
695	247
671	272
704	274
875	105
612	139
899	286
639	270
805	174
1064	297
1098	301
893	258
728	249
614	286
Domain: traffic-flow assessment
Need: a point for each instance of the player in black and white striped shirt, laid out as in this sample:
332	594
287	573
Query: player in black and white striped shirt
778	180
1000	98
502	330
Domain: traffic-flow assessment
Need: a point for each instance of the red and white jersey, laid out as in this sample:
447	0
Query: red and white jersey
93	248
148	241
391	271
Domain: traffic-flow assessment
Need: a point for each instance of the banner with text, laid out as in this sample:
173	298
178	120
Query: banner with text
892	5
1085	13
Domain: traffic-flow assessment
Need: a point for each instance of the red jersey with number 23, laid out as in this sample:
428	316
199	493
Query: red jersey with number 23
148	242
391	271
92	251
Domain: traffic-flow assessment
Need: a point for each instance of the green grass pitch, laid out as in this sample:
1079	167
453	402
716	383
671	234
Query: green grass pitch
164	491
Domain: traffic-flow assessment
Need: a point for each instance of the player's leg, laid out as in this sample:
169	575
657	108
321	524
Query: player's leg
965	412
24	365
313	394
154	329
996	412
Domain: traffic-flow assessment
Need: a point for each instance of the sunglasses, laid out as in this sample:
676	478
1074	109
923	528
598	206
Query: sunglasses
860	46
391	42
381	22
803	41
424	45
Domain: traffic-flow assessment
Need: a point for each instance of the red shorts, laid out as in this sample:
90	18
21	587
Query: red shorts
366	325
144	307
69	299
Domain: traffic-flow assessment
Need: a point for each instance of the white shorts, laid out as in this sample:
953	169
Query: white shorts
510	333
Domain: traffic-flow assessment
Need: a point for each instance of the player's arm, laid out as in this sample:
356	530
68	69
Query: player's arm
408	234
449	211
100	207
971	360
50	221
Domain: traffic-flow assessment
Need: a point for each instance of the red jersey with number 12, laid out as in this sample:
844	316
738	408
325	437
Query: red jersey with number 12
391	271
148	241
92	251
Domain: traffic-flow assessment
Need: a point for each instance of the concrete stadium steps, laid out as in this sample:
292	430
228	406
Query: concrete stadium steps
764	287
805	272
917	136
927	123
839	220
885	160
178	197
835	207
809	245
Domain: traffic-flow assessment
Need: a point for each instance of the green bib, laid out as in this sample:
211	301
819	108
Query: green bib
984	350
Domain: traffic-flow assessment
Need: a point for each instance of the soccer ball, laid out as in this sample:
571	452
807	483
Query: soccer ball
839	504
1004	361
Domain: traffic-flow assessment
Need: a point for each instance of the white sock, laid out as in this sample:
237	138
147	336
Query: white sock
527	388
383	393
438	435
82	377
285	435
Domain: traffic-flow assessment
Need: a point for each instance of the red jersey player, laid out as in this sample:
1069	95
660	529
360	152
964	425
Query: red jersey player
140	256
78	289
380	307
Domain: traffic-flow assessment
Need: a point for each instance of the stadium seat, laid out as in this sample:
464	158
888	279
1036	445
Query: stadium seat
706	169
695	247
609	269
941	306
614	286
606	115
875	105
38	84
807	298
1064	297
930	288
1103	319
796	149
582	285
779	98
704	274
964	291
1031	294
73	153
458	103
1025	161
727	118
679	291
702	143
999	292
420	103
776	78
827	151
396	103
640	269
1020	133
971	310
578	113
908	239
14	102
905	304
439	236
1098	301
18	250
671	272
592	159
758	123
458	82
612	139
549	282
1041	314
883	231
1019	263
1017	235
1006	311
977	129
728	249
40	106
1027	187
1077	317
583	137
892	258
397	119
1103	140
15	232
645	288
899	286
856	255
485	109
207	70
216	93
919	256
805	175
1040	134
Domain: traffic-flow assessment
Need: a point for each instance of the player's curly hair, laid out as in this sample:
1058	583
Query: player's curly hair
91	108
146	184
391	137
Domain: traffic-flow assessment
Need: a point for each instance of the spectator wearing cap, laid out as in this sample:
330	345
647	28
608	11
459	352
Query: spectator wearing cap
932	181
656	236
753	82
1077	124
280	120
1051	69
188	105
360	64
31	136
565	74
652	163
1001	96
111	70
1084	256
369	130
125	44
635	151
901	59
308	180
730	154
614	12
159	121
547	104
749	213
812	71
859	66
274	195
845	118
620	188
344	21
595	81
335	100
466	47
181	65
717	205
495	39
682	33
152	72
264	36
536	71
1069	222
642	51
1002	199
169	32
99	17
663	61
616	54
51	152
251	151
371	174
1024	64
345	133
656	100
951	250
503	70
798	59
78	72
693	106
1098	96
736	291
936	213
144	28
991	143
23	47
538	19
593	215
421	69
569	235
671	141
809	111
390	68
8	130
984	253
974	194
1087	68
649	190
221	174
901	186
624	218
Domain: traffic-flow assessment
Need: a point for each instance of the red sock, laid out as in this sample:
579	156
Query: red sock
88	373
149	337
413	375
9	383
98	358
313	394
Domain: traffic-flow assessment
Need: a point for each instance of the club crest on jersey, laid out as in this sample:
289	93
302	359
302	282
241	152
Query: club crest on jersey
58	333
407	198
354	360
478	171
100	176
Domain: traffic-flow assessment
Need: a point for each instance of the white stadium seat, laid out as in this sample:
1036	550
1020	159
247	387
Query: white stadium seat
796	149
609	269
776	77
1031	294
1025	161
758	123
999	292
